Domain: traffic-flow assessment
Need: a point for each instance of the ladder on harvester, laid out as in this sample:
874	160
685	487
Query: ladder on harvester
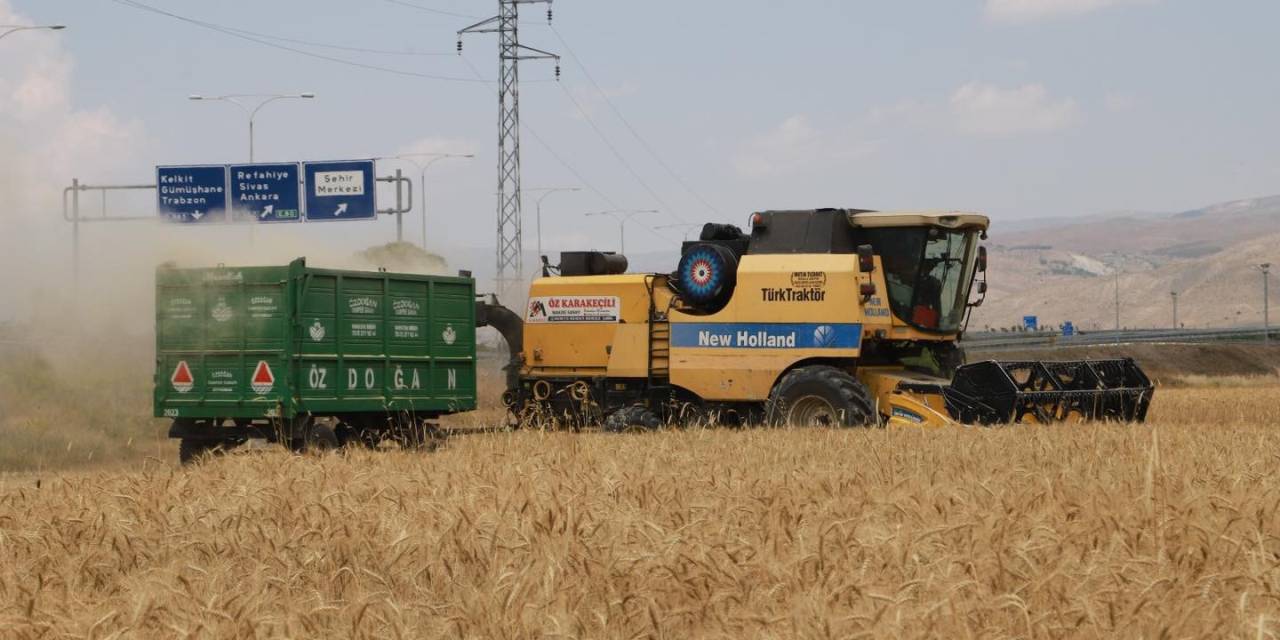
658	383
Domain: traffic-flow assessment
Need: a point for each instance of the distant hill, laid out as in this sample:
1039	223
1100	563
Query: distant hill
1066	270
1187	234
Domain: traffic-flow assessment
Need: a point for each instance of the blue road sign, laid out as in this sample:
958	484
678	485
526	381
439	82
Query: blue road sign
1030	323
1068	329
265	192
340	190
192	193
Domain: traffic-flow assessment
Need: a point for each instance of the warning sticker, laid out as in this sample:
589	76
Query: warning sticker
263	380
545	309
182	379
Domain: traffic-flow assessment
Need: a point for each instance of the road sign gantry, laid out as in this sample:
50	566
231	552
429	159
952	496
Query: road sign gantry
268	192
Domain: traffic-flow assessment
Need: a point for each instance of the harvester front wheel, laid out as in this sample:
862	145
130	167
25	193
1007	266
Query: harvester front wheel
949	357
820	396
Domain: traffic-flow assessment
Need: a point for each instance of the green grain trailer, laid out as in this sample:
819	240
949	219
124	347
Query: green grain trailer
310	357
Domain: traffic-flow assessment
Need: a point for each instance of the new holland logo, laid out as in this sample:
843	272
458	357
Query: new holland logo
317	331
449	335
824	335
263	380
182	379
222	311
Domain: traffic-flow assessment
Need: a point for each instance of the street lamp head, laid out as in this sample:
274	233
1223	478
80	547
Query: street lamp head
195	97
307	95
57	27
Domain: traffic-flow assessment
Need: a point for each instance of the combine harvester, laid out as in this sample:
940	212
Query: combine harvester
838	317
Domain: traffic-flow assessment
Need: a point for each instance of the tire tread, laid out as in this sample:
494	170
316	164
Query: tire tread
854	394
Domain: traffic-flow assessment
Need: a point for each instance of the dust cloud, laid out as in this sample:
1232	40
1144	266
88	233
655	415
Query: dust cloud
46	140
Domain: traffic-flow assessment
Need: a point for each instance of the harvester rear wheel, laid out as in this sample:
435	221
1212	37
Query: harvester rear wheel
820	396
633	418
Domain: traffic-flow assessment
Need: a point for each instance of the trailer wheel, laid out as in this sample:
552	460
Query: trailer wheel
191	450
320	437
350	435
820	396
425	436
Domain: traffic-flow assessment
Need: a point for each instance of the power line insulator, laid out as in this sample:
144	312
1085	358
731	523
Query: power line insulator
557	71
459	46
548	15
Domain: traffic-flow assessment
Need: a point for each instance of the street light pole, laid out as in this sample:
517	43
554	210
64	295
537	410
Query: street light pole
549	191
1174	295
1117	302
237	99
422	184
1265	268
626	214
6	29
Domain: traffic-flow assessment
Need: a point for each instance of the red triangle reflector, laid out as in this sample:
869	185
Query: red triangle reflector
182	379
263	380
263	375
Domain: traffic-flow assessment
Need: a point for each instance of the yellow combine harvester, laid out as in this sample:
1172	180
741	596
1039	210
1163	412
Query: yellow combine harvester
815	317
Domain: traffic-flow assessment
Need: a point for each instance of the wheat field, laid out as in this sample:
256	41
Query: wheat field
1171	529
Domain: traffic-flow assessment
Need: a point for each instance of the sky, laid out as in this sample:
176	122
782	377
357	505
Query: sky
704	111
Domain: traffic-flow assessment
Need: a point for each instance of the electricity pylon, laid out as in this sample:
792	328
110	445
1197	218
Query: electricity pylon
510	244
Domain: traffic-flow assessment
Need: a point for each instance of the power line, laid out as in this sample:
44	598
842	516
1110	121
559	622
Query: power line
243	35
627	124
560	159
617	154
564	163
385	52
441	12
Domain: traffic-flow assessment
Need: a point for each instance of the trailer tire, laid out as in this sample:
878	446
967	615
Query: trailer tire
820	395
351	436
320	437
191	450
425	436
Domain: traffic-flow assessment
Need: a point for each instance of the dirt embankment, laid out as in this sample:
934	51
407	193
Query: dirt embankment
1163	362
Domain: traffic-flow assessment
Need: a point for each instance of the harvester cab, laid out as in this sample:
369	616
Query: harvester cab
829	316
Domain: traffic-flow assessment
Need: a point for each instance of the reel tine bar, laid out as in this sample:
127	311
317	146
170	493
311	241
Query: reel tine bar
994	392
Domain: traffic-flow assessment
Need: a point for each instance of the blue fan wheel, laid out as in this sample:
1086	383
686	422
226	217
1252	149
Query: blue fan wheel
702	274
